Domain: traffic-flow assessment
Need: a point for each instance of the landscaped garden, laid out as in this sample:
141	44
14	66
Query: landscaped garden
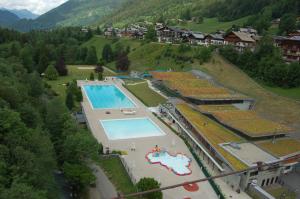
142	91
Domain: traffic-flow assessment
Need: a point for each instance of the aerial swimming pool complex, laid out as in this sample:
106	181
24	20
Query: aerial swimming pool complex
107	97
118	129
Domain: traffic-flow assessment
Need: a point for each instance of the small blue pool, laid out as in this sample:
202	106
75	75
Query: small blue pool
130	128
107	97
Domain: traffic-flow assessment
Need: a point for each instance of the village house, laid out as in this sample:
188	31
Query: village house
172	35
134	31
290	47
214	39
248	30
197	38
240	41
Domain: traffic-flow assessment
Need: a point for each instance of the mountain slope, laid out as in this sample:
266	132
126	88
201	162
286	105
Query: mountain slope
7	18
24	14
139	10
71	13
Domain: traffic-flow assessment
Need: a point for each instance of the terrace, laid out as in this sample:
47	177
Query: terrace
188	85
213	133
249	123
281	147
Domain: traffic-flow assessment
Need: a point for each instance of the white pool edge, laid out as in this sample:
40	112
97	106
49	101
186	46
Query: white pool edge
91	104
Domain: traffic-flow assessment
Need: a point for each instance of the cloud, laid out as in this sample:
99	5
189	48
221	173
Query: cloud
35	6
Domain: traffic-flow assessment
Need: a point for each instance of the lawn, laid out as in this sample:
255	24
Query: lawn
210	25
214	133
280	191
59	85
116	172
267	104
293	93
142	91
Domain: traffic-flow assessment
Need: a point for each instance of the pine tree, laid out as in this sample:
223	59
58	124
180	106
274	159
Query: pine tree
51	73
61	67
107	53
70	101
92	78
122	62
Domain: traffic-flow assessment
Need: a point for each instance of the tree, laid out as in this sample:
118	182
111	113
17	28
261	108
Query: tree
36	86
100	76
91	57
99	68
51	72
151	34
186	15
43	63
89	34
70	101
61	66
287	23
123	62
23	191
27	58
79	176
98	31
146	184
92	77
107	53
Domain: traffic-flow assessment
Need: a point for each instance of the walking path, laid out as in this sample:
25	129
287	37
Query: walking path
104	188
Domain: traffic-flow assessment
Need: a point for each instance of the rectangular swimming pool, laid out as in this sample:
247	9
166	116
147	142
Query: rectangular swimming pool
130	128
107	97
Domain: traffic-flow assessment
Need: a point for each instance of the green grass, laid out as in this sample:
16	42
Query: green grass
212	24
277	193
73	73
149	97
293	93
116	172
147	56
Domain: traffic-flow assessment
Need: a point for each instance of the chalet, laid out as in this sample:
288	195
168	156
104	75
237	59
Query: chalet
214	39
248	30
290	46
134	31
240	40
172	35
197	38
295	33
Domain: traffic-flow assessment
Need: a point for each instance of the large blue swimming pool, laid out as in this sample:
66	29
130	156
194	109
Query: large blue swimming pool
107	97
130	128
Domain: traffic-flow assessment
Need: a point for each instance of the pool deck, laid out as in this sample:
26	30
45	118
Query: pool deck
135	160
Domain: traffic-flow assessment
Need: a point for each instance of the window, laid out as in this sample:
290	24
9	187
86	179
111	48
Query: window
267	182
276	179
288	167
272	180
253	173
263	183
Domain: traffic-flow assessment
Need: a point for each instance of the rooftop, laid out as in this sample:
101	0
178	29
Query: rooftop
281	147
249	123
249	153
214	133
244	36
213	108
195	88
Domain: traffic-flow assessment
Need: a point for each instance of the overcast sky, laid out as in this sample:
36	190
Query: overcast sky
35	6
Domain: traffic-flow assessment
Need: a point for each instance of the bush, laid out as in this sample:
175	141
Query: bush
146	184
51	73
92	77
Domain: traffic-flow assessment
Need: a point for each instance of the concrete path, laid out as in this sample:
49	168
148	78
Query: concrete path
104	188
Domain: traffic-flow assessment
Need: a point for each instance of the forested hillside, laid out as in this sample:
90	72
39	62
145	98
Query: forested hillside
37	133
7	18
71	13
152	10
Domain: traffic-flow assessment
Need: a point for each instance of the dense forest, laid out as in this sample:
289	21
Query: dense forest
265	64
37	133
261	12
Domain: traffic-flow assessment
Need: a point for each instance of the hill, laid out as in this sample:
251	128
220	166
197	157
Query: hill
71	13
7	18
141	10
24	14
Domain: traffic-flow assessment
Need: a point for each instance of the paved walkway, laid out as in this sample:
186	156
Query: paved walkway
135	161
104	188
